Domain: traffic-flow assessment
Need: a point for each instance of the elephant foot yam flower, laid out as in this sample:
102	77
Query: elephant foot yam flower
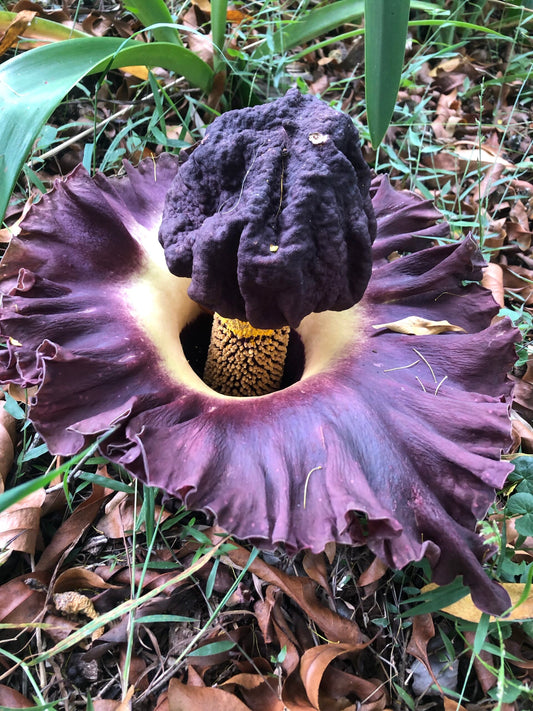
374	436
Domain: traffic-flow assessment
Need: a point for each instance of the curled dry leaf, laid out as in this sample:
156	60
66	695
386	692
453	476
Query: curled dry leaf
79	579
493	280
315	566
375	571
182	697
19	524
302	591
314	663
418	326
422	631
260	693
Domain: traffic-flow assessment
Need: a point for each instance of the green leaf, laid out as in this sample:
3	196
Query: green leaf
214	648
40	29
33	84
155	12
219	10
385	37
312	24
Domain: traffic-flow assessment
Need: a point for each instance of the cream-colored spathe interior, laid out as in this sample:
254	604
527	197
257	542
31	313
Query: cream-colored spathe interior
159	302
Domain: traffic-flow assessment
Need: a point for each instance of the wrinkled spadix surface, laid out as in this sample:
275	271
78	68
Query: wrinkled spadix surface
389	439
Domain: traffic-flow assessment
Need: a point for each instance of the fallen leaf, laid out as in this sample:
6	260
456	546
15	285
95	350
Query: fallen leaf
8	438
314	663
182	697
315	566
423	630
375	571
73	528
493	281
19	524
302	591
418	326
9	698
466	610
79	579
16	28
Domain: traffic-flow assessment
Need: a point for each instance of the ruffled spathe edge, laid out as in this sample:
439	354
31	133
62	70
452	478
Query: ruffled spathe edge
413	447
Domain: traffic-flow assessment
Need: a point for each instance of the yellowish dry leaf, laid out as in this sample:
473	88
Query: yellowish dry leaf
419	326
466	610
15	29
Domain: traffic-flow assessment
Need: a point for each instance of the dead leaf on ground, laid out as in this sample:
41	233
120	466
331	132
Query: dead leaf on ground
16	28
19	524
466	610
315	566
314	663
182	697
9	698
72	528
8	439
493	281
423	630
419	326
375	571
302	591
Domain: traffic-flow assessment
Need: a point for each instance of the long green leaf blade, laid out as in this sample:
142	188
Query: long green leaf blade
219	10
154	12
385	37
33	84
313	24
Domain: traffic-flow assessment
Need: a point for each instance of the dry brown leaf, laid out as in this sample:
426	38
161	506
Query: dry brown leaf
375	571
73	528
108	705
23	599
8	439
137	669
466	610
9	698
260	693
19	524
16	28
121	514
79	579
314	663
451	705
493	281
302	591
480	155
423	630
182	697
315	566
418	326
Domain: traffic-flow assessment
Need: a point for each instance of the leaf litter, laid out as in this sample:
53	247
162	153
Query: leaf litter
309	632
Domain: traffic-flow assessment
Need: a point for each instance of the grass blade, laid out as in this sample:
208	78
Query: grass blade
34	83
385	37
314	23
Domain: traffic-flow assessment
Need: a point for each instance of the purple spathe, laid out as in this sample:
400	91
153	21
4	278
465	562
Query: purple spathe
403	431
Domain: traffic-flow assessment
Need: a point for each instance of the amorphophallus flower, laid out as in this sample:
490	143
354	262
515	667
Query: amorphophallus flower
387	422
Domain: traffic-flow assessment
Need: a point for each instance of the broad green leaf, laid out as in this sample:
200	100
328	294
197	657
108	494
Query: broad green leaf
40	30
385	37
154	12
312	24
33	84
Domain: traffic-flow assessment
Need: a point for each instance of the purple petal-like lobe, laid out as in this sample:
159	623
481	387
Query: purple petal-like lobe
387	439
